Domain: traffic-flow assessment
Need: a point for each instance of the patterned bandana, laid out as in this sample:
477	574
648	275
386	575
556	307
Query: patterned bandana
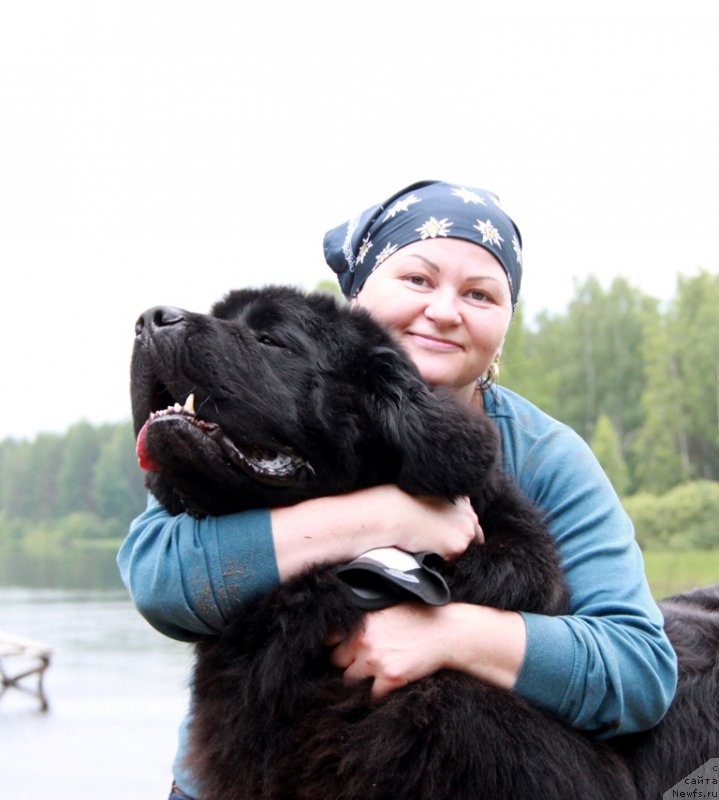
424	210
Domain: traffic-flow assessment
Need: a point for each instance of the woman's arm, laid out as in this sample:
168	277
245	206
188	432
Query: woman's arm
188	576
607	667
337	529
185	575
404	643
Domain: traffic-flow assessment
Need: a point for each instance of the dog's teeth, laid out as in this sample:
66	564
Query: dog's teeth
188	408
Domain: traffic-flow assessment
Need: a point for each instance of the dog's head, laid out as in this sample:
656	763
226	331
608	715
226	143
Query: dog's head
278	396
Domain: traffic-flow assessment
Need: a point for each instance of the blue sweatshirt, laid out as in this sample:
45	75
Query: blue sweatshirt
607	667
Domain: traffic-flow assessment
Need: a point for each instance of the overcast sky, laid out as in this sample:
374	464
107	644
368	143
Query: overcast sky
166	151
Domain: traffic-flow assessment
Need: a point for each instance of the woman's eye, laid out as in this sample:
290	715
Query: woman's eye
478	295
417	280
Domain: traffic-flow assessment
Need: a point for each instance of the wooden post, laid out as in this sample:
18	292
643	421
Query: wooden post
18	646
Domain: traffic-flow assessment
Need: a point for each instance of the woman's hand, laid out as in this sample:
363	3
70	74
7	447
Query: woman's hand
339	528
404	643
431	523
396	646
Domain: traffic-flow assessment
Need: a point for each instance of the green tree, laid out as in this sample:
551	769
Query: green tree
329	286
601	363
44	461
660	453
586	362
80	452
28	476
14	468
683	518
607	448
118	484
12	531
695	320
528	365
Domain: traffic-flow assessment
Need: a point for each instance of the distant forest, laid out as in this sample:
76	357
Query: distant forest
638	379
83	486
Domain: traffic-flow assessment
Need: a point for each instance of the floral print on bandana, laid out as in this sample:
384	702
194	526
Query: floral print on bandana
401	205
364	249
386	253
489	233
423	210
433	228
468	196
517	248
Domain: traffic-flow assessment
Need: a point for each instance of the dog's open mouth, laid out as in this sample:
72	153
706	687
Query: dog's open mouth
180	422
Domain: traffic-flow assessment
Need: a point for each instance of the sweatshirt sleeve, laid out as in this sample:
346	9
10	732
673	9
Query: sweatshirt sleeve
608	667
187	575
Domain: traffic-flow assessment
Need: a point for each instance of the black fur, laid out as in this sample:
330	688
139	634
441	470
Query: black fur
688	736
300	376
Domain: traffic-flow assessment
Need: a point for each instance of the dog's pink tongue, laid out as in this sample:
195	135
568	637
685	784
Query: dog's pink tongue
146	461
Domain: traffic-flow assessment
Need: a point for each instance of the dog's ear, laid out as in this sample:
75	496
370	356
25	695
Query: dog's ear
444	446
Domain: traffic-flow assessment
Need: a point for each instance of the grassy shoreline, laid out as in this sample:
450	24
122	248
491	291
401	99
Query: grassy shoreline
670	572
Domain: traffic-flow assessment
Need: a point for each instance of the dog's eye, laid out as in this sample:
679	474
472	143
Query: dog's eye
265	338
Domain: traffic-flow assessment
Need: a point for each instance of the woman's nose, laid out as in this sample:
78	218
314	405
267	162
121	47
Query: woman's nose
442	309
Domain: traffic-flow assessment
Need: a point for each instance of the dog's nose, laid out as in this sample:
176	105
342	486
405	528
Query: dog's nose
159	317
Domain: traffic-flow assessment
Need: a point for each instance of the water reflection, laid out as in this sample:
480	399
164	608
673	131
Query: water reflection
117	688
79	567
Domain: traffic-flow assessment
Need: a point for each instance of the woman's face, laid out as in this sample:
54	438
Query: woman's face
448	303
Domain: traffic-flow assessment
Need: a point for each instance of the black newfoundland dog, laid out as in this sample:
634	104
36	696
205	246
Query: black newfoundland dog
276	397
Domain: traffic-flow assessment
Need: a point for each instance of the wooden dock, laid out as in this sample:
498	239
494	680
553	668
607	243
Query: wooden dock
31	659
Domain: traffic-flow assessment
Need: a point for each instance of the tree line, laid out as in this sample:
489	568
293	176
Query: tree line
83	486
636	378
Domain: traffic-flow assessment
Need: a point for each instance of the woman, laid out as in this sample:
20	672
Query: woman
440	266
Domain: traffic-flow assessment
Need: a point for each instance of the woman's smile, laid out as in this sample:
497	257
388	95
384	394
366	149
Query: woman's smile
431	342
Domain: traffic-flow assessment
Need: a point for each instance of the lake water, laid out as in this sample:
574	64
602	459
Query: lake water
117	691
